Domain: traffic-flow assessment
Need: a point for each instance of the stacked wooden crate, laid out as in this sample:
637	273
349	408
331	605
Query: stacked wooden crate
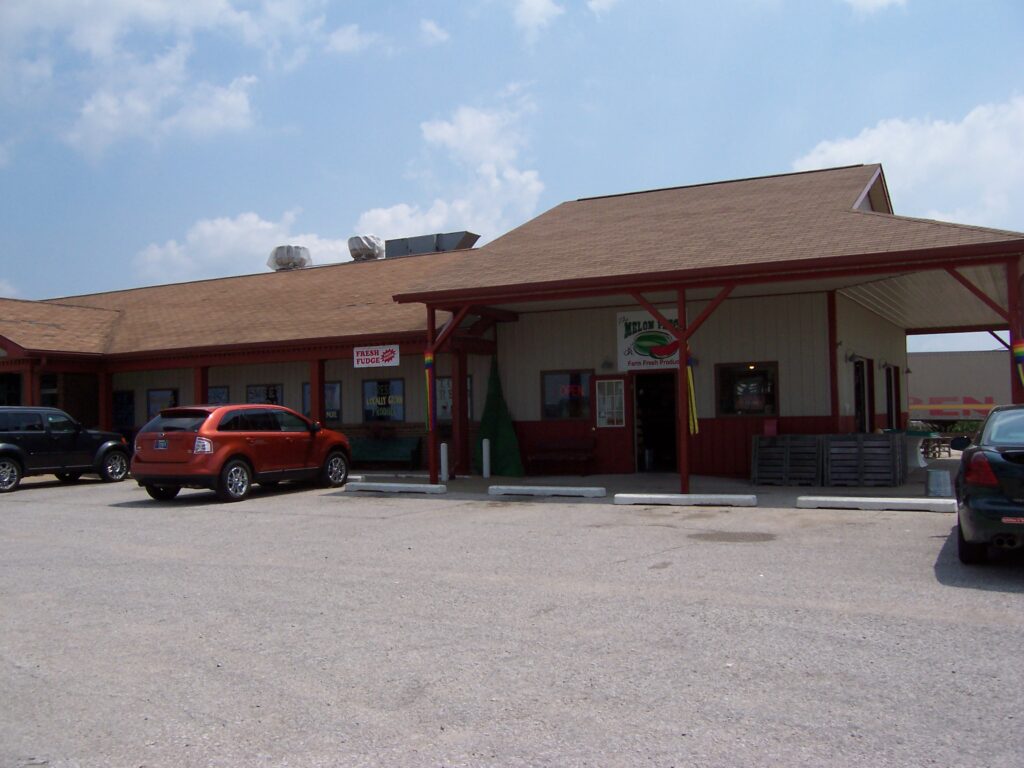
786	460
865	460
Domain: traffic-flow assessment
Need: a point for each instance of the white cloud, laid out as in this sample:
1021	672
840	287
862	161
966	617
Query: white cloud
223	246
493	193
534	15
969	171
601	6
350	39
155	100
105	46
431	33
870	6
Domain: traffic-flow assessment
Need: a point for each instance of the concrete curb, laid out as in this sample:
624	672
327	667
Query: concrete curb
547	490
688	499
397	487
876	503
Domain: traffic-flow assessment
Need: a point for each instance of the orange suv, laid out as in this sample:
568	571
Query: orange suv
228	447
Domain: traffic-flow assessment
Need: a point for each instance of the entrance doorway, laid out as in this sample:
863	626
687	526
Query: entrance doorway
656	422
10	389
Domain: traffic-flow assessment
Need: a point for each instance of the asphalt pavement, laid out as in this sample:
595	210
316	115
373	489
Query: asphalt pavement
318	628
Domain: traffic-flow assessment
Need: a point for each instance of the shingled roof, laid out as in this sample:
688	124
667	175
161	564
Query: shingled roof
42	327
772	220
332	302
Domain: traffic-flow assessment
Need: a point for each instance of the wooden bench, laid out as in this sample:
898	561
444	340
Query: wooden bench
576	452
386	450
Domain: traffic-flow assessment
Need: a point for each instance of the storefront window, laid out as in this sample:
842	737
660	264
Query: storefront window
566	395
332	401
384	400
747	389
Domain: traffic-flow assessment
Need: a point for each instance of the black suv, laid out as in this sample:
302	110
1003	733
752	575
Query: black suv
45	441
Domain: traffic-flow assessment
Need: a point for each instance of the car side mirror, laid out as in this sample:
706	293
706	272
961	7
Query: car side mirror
959	443
315	427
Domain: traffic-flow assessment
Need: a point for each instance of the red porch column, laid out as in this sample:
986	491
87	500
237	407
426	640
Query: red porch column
106	400
432	443
30	386
460	416
683	399
833	361
317	406
200	384
1013	307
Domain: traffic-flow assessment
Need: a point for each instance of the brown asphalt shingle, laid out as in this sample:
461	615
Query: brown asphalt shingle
748	222
40	326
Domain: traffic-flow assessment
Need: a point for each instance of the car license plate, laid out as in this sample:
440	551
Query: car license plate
160	445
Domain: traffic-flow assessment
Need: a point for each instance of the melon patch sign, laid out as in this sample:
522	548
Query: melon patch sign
383	356
644	344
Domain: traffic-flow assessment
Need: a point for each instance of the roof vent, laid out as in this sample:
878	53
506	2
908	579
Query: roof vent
366	247
286	257
414	246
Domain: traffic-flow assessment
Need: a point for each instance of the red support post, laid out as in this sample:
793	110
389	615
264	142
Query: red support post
30	386
200	384
683	400
432	442
317	406
460	415
1014	321
833	361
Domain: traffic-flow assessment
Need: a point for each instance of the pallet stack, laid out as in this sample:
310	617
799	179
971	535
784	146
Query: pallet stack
786	460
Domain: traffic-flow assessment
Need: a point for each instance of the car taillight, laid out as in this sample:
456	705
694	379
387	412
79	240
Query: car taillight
979	471
203	445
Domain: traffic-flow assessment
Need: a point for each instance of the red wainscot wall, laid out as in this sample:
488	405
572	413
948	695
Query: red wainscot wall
723	447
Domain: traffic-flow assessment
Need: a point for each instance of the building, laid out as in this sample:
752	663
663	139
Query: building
797	292
949	387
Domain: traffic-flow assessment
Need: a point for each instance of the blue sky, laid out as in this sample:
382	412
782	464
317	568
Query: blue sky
144	141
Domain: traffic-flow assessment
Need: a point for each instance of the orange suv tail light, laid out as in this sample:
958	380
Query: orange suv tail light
203	445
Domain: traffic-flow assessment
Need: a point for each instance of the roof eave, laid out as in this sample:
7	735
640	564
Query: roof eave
749	273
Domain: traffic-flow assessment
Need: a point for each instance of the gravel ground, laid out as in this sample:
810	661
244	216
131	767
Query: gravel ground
319	628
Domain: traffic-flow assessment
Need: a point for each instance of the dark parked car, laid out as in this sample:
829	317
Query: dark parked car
228	447
46	441
990	486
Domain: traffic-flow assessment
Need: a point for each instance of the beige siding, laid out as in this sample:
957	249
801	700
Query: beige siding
140	382
237	378
789	330
862	332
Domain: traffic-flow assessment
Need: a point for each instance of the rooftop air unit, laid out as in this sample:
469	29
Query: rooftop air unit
366	247
286	257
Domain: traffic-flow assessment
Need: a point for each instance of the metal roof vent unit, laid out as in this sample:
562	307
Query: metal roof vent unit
366	247
415	246
286	257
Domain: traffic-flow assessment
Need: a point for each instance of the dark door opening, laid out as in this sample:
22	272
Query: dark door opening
656	422
10	389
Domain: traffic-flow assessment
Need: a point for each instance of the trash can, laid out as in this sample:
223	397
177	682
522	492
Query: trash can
938	483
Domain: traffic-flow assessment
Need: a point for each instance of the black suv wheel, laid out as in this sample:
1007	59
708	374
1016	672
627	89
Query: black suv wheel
10	474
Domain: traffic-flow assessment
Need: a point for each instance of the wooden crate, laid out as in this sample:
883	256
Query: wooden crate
786	460
857	460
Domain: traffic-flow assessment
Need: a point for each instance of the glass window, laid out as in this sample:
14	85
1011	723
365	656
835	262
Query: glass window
289	422
1004	427
264	393
611	403
332	401
60	422
158	399
566	395
444	398
747	389
384	400
218	395
181	421
24	421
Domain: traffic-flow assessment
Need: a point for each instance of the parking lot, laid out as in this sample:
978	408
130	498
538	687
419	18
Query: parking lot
321	628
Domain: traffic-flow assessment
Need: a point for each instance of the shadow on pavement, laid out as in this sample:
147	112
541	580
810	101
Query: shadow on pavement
1003	573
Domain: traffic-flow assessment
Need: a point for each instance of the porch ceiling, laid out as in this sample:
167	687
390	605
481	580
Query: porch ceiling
930	299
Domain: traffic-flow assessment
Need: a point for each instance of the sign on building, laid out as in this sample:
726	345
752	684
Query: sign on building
644	344
383	356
